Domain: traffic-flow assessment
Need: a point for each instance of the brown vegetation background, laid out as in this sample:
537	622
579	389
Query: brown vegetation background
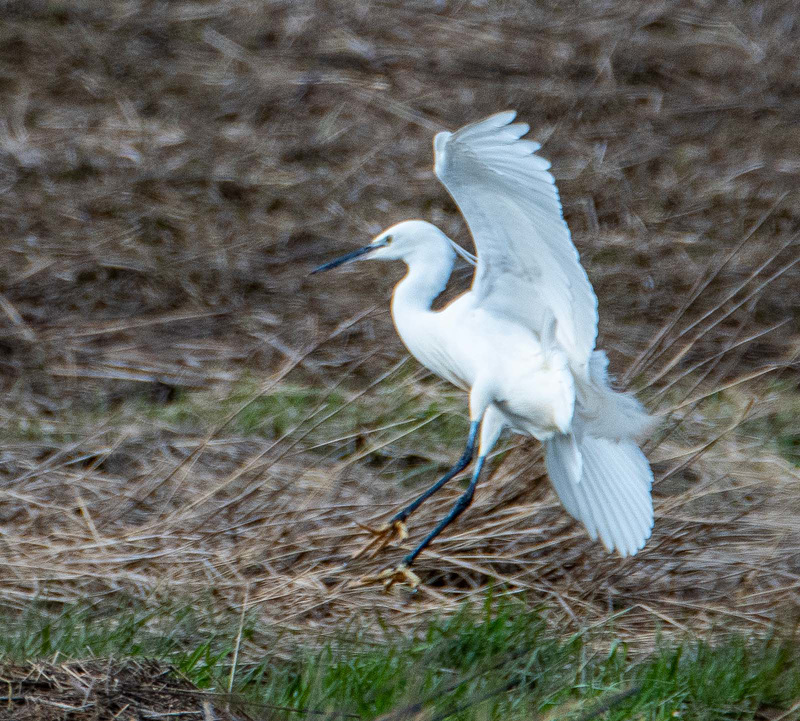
171	171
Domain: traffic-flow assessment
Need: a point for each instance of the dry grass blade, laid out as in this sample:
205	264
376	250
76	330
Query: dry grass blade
754	293
702	284
691	372
104	688
731	384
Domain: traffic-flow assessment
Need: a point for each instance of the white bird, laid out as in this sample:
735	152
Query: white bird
521	341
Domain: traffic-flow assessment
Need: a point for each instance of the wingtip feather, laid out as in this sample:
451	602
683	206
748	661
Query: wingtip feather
504	117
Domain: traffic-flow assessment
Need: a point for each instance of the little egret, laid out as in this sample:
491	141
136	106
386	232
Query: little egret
521	341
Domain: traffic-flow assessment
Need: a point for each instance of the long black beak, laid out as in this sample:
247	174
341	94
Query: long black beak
347	258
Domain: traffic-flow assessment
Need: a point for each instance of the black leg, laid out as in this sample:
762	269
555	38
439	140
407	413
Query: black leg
463	462
461	504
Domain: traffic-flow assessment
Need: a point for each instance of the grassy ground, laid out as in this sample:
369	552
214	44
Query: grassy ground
185	413
499	661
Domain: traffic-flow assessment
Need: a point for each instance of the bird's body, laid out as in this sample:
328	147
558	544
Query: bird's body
521	341
530	385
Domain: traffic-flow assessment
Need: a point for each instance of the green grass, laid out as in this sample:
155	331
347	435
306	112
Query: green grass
772	420
340	419
499	661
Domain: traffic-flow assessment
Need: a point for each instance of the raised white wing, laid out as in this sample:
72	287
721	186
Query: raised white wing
528	268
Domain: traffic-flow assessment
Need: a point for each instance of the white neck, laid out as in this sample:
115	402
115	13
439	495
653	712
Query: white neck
428	271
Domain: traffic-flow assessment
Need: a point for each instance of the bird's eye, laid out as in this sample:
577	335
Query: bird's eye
388	240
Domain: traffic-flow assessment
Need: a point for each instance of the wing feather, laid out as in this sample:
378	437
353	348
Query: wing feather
528	268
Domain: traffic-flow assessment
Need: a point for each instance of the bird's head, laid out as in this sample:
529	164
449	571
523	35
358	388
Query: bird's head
399	242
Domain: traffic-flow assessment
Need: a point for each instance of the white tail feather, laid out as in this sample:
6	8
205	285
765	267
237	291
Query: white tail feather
613	497
565	446
605	413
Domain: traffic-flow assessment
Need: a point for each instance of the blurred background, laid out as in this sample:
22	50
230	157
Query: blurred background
186	411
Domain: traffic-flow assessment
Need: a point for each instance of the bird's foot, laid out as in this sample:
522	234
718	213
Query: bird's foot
402	574
382	537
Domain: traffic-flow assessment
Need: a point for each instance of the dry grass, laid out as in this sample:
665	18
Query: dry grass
171	174
104	689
